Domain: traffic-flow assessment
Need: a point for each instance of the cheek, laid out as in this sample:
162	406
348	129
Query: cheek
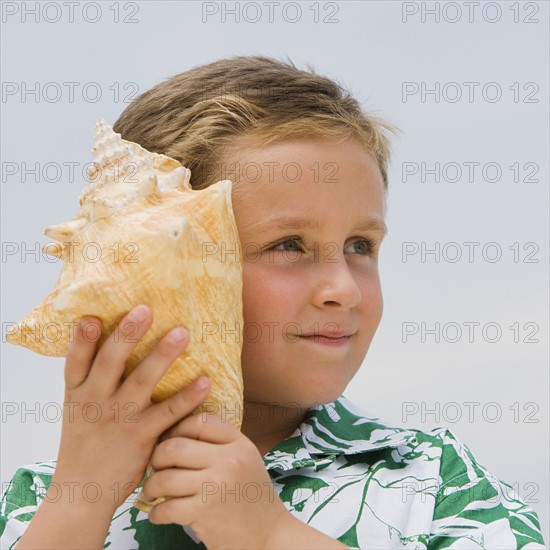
254	297
268	294
372	302
272	296
369	315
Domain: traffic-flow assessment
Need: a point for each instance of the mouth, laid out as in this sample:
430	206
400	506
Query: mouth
326	340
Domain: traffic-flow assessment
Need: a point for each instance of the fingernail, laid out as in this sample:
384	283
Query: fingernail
200	383
85	322
138	314
177	335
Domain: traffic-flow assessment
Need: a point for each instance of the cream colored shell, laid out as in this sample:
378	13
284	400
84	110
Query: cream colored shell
142	235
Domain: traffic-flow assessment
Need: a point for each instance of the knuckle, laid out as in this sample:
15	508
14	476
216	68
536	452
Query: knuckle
132	332
143	445
75	349
196	421
179	406
165	479
101	362
149	485
126	325
140	378
173	445
155	462
234	463
247	444
172	407
218	479
170	510
165	349
86	399
135	433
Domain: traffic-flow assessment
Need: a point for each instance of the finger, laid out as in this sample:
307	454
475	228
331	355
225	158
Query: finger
110	360
142	380
81	351
172	483
210	428
180	452
161	416
181	510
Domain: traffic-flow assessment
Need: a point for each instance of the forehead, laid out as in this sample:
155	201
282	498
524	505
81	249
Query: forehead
316	179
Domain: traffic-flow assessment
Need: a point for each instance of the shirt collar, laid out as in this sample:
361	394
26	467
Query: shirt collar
333	429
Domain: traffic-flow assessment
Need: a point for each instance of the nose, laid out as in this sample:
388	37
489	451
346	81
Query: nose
336	285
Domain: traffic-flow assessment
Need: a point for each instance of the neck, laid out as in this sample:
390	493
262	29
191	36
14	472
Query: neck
267	425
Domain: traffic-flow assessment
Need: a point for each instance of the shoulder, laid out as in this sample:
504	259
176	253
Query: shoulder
475	505
472	505
437	473
365	431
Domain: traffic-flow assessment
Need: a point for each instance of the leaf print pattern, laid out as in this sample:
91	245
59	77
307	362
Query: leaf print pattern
349	475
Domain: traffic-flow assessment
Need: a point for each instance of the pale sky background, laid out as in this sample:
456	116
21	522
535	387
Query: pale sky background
370	50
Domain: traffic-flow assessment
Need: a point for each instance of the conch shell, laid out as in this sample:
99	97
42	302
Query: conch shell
142	235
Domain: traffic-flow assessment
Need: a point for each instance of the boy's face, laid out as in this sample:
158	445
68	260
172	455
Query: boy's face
300	281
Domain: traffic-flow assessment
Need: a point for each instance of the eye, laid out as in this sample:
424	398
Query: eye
292	241
365	247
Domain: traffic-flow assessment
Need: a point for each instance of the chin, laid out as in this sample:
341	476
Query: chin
314	394
300	394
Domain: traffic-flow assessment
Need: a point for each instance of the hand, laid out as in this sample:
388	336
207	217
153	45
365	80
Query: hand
217	482
110	427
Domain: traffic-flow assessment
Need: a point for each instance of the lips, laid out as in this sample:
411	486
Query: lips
329	337
329	334
326	340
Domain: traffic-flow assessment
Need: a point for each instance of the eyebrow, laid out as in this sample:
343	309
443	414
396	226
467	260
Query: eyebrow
368	224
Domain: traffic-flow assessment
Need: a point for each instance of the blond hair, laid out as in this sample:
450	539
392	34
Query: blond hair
196	116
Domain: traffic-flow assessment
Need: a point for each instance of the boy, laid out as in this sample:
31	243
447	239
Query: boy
309	469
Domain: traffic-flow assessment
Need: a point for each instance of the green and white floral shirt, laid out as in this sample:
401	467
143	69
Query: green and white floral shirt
350	476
